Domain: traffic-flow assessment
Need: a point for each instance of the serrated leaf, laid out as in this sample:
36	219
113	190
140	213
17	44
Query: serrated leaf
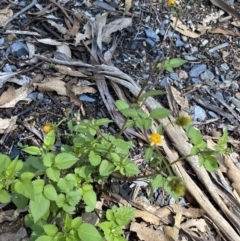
45	238
4	196
73	198
27	175
120	104
49	139
194	134
48	159
103	121
38	186
65	160
130	112
131	169
90	199
94	159
50	229
33	150
25	188
87	232
106	168
34	207
157	181
76	222
49	192
151	93
4	162
124	215
53	173
159	113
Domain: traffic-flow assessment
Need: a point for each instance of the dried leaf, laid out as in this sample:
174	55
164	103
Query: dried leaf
68	71
148	234
147	217
76	25
5	14
49	41
4	77
87	34
55	84
183	29
128	5
64	49
5	123
11	96
182	101
224	32
59	27
114	26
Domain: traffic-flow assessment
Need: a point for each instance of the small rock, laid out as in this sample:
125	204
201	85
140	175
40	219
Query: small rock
237	95
174	76
197	70
2	41
161	55
18	49
134	45
150	42
183	74
204	43
199	114
179	43
190	58
172	35
230	75
224	67
22	4
9	68
162	32
196	81
210	82
207	75
219	95
222	77
86	98
236	102
194	50
216	70
184	38
216	55
151	34
212	114
235	85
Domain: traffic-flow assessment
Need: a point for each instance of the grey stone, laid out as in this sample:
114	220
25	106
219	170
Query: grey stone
199	114
22	4
204	43
173	35
217	70
207	75
196	81
174	76
230	75
18	49
134	45
216	55
162	32
190	58
210	82
194	50
86	98
235	85
150	42
197	70
179	43
236	102
224	67
212	114
151	34
219	95
2	41
9	68
218	47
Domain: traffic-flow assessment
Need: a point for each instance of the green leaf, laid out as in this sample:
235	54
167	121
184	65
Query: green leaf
38	207
67	183
106	227
148	153
27	175
157	181
106	168
87	232
49	192
73	198
49	139
45	238
209	162
33	150
53	173
48	159
130	112
169	64
124	215
131	169
194	134
38	186
76	222
19	200
151	93
25	188
159	113
94	159
4	196
67	223
90	199
4	162
120	104
15	166
103	121
50	229
65	160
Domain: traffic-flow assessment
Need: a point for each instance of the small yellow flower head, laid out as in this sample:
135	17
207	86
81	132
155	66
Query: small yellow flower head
156	139
171	2
48	127
184	119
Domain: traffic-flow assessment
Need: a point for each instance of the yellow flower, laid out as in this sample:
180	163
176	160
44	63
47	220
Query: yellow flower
48	127
171	2
184	119
156	139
